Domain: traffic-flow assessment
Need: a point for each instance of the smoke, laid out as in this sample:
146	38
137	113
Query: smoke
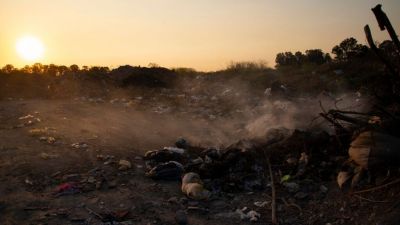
206	113
300	113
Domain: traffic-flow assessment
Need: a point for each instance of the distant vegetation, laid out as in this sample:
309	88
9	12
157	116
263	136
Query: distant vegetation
348	50
352	67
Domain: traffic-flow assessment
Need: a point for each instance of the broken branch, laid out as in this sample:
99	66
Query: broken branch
384	23
375	49
273	201
378	187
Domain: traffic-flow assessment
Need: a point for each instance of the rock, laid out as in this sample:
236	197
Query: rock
124	164
181	217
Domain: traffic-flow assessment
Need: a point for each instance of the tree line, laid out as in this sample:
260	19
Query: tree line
349	49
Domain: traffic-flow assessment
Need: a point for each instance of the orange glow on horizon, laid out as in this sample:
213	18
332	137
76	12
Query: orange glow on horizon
204	35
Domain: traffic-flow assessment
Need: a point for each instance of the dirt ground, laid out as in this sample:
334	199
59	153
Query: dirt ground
32	166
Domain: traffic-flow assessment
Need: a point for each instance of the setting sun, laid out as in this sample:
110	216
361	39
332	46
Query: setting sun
30	48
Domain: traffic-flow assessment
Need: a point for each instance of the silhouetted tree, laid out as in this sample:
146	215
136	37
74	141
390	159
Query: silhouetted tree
243	67
389	48
300	57
52	70
328	57
61	70
8	68
37	68
98	70
74	68
315	56
26	69
348	49
285	59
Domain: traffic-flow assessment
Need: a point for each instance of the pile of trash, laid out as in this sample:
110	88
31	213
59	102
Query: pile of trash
315	156
360	150
231	169
241	167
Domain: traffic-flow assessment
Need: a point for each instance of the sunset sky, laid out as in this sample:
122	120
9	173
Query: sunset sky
201	34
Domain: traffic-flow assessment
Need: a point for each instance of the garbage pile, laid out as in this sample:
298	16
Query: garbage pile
231	169
301	166
242	166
